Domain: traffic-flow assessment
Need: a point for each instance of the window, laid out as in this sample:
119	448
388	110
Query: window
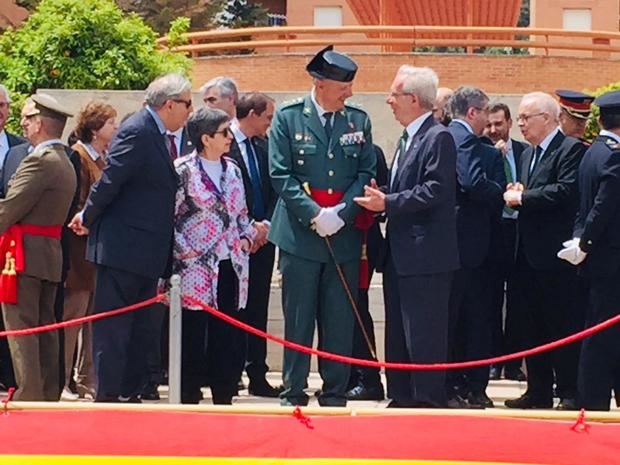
328	16
577	19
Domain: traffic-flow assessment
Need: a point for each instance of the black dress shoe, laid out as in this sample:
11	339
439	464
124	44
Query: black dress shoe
515	375
264	389
479	400
567	404
526	401
396	404
150	392
495	373
360	392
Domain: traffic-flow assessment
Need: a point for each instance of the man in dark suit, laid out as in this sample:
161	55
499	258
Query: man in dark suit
546	199
365	382
249	149
130	214
478	206
597	240
503	249
421	240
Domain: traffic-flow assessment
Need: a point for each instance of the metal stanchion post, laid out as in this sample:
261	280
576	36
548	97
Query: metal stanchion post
174	349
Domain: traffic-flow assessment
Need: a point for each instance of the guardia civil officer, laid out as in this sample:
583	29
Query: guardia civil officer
320	157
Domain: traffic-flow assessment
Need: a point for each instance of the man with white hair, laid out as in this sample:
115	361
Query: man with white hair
221	92
546	199
422	242
130	214
440	112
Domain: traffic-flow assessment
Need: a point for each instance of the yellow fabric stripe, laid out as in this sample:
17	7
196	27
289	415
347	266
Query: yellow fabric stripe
140	460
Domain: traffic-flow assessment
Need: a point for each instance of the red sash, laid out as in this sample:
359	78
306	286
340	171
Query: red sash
363	221
13	257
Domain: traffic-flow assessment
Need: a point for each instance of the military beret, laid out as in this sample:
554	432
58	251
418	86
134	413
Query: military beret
577	104
609	101
328	64
46	105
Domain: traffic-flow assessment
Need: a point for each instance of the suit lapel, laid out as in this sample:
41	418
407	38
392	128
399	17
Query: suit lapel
160	143
412	151
340	127
547	154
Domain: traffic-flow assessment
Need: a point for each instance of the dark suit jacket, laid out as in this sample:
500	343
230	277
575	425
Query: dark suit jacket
186	145
549	202
517	150
598	219
130	210
12	160
376	243
479	195
269	194
421	227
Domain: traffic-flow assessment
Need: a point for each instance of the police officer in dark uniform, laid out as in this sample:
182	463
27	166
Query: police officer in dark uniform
320	158
597	246
575	112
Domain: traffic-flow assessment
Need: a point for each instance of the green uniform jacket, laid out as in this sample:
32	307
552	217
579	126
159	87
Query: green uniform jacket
299	152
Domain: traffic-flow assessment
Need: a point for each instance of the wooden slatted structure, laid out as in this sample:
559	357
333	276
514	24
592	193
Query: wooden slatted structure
483	13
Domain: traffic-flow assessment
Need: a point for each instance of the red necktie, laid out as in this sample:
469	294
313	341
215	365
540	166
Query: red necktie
174	153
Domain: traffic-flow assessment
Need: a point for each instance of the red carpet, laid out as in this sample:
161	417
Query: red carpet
433	438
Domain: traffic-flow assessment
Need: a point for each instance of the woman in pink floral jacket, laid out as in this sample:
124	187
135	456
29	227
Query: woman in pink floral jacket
213	237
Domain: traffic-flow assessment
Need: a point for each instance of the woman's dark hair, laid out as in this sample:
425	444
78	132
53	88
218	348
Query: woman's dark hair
92	118
204	121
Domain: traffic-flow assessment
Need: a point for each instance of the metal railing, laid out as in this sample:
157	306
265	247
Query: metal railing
396	38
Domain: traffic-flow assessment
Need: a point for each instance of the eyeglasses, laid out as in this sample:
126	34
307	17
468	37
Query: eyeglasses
526	118
225	132
398	94
188	103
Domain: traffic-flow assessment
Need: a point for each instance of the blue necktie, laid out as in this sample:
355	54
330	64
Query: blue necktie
258	210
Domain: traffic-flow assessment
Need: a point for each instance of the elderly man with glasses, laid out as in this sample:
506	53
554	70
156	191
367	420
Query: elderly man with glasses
546	199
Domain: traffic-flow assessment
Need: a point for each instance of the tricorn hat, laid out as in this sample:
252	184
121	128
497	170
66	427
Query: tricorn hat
328	64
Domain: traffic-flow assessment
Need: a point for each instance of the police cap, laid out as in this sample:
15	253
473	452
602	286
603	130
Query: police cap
575	103
46	105
328	64
609	101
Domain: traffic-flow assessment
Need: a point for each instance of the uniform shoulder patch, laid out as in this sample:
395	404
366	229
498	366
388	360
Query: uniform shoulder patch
612	144
292	103
354	106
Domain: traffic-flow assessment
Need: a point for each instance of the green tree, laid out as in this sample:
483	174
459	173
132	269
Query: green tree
82	44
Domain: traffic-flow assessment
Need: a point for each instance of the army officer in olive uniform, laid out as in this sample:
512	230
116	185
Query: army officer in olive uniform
31	217
320	157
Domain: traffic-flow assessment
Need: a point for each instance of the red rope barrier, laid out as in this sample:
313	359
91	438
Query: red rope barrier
320	353
405	366
82	320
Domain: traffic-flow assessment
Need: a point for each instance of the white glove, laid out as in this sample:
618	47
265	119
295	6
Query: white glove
328	222
571	252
